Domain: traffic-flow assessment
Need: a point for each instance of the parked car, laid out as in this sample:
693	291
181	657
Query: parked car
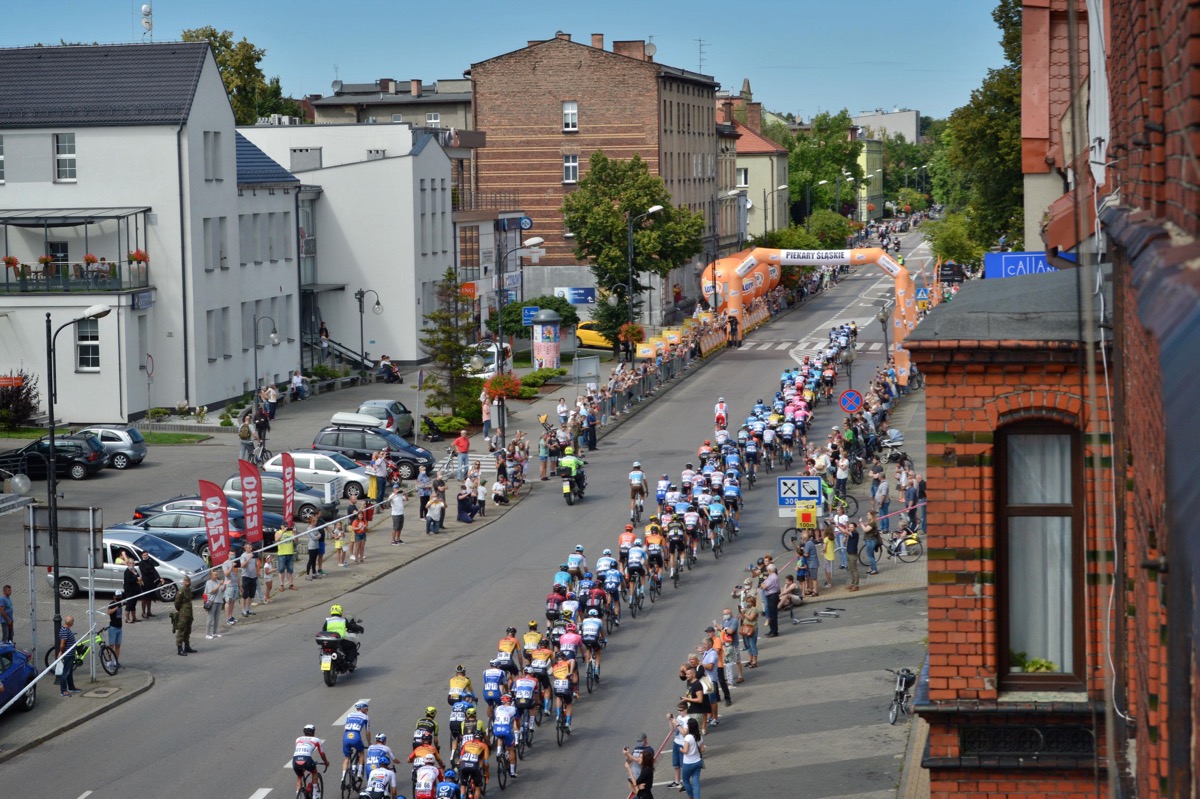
309	501
317	468
587	334
185	528
393	416
172	563
488	353
359	443
124	445
16	672
75	456
271	521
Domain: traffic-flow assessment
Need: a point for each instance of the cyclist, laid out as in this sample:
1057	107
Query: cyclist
637	488
614	583
338	623
473	764
637	563
425	780
686	478
660	492
768	438
355	733
827	379
558	628
473	727
656	544
428	724
460	684
381	780
571	642
596	597
691	525
554	601
302	756
532	639
495	684
562	577
458	715
752	455
563	683
526	691
721	438
539	667
570	608
577	563
705	449
721	412
505	724
423	754
716	518
733	458
592	633
606	561
732	492
624	542
379	749
676	542
448	787
509	655
787	434
759	406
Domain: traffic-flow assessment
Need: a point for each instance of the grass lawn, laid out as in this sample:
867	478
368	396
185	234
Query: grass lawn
523	360
161	439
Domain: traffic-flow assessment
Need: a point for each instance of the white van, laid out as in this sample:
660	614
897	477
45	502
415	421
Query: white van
488	352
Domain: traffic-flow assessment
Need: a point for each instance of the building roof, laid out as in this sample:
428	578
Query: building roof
1040	307
376	97
99	85
752	143
256	167
661	69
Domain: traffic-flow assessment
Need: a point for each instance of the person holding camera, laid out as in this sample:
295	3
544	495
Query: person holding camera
641	781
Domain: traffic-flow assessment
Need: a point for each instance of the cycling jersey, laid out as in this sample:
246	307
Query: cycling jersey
732	459
716	511
570	643
590	631
732	492
625	540
612	581
721	437
472	755
354	732
675	532
681	507
560	679
637	557
530	641
673	498
458	714
787	431
661	490
691	520
605	563
539	660
426	780
768	436
596	597
637	478
524	689
447	790
554	603
423	755
502	723
571	605
494	681
703	500
474	730
382	781
460	684
654	544
307	746
687	476
576	563
563	578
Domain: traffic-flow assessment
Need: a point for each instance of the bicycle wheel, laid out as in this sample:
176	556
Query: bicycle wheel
591	678
317	786
790	538
520	747
675	575
528	737
651	591
851	505
540	716
912	552
893	711
108	660
502	770
561	729
633	603
731	531
716	548
609	620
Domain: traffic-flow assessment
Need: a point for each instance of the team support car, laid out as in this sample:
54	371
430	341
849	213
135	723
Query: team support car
16	673
125	445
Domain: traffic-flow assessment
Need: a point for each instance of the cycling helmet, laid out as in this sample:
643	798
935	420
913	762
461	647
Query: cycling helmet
637	542
431	712
707	443
607	552
720	399
568	614
361	704
760	402
689	466
563	567
511	631
571	628
653	518
588	576
451	775
529	669
470	712
579	547
569	451
310	729
335	610
665	477
381	738
629	528
571	595
506	699
384	761
637	464
692	508
593	613
459	669
561	656
533	625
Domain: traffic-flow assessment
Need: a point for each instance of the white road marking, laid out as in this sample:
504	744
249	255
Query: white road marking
341	721
261	792
85	795
784	345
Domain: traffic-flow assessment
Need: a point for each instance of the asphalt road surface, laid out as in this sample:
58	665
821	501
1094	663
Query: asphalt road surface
222	722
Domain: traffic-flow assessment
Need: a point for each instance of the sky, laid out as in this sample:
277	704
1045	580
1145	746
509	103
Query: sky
801	56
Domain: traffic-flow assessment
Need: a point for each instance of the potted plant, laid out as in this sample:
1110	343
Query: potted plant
632	333
1016	660
1040	665
505	385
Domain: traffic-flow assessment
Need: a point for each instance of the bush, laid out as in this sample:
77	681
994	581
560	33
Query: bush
450	425
528	392
539	377
158	414
226	421
471	412
323	372
18	404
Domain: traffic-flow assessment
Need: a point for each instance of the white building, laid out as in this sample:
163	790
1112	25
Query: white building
881	124
379	200
109	149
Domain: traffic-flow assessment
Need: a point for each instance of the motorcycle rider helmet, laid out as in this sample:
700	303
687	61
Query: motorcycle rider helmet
361	704
459	669
381	738
506	699
569	451
335	610
511	631
310	729
451	775
431	712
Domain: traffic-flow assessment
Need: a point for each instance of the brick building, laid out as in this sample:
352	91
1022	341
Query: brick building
548	106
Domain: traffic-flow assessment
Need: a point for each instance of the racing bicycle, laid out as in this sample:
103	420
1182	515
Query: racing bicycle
312	785
352	780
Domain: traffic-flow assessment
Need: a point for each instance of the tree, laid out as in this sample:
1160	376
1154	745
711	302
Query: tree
950	240
913	200
830	230
949	186
250	94
273	102
18	404
824	152
514	319
597	212
447	386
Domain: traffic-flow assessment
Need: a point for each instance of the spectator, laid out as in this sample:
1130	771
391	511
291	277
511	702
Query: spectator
880	501
789	595
268	577
299	389
693	758
286	538
424	490
116	620
245	438
214	596
852	555
921	500
272	400
439	487
812	563
485	405
249	564
339	543
696	697
131	585
150	580
499	491
912	495
314	549
66	646
358	526
678	725
435	512
641	773
462	446
262	422
770	590
481	492
466	504
324	344
183	622
634	757
829	550
733	655
229	570
748	629
561	410
872	539
396	502
543	456
6	615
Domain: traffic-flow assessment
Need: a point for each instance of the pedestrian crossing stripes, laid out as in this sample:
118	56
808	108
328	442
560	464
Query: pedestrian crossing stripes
449	464
813	344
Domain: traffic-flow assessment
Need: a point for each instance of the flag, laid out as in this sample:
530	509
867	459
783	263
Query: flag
252	500
216	521
289	489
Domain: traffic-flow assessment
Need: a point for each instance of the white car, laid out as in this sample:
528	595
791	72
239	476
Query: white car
172	563
316	467
488	352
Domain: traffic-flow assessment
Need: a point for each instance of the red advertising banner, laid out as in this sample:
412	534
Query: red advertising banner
252	500
216	521
289	489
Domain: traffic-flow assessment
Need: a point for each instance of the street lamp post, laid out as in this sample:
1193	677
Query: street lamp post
654	209
837	202
274	339
93	312
530	242
766	207
376	309
808	205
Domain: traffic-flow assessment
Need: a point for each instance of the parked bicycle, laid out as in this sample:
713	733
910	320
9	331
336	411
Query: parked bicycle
108	657
906	545
902	695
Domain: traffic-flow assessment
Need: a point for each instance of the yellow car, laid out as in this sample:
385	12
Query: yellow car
587	334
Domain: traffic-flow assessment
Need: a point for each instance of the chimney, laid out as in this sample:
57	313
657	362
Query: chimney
754	117
632	49
598	41
414	87
566	37
386	85
727	111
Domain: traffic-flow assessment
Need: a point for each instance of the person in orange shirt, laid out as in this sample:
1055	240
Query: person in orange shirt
473	764
509	656
624	542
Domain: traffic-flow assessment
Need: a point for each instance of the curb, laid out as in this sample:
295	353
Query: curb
124	696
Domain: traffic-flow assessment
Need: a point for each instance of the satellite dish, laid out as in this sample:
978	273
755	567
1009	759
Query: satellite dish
651	49
147	10
749	203
337	86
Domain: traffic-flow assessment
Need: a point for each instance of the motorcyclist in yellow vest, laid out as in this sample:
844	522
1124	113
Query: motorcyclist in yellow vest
336	623
574	465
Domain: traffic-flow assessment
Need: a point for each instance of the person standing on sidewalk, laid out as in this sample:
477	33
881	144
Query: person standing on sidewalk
183	623
678	724
116	621
249	563
462	447
66	646
286	538
693	759
852	555
214	595
770	590
6	615
396	502
732	651
424	490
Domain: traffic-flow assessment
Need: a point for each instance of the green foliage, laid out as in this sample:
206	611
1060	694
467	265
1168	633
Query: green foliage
321	371
272	101
443	339
824	152
18	404
226	421
250	94
1007	15
528	393
830	230
598	212
949	186
539	377
950	240
1035	665
914	199
158	414
779	133
513	315
450	424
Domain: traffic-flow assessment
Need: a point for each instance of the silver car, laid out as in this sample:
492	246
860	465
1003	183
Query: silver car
124	445
316	468
172	563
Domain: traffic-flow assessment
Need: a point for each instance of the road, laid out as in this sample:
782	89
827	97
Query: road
222	722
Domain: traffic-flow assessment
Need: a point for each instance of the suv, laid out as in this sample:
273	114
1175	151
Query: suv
359	443
124	445
392	416
78	456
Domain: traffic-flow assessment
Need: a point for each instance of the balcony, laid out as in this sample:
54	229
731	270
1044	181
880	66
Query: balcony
485	200
61	277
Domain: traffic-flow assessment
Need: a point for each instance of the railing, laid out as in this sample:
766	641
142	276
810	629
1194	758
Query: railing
69	277
485	200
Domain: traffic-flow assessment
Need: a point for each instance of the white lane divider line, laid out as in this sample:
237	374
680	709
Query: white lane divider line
261	793
341	720
85	795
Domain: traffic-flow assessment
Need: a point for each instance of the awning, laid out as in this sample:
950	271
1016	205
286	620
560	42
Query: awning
66	217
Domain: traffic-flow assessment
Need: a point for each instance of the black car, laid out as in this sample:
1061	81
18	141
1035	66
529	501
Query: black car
360	443
271	521
75	456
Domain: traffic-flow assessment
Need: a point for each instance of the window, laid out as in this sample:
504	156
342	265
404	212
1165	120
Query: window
1	159
570	115
375	155
64	157
743	177
570	169
1040	543
433	120
397	117
87	346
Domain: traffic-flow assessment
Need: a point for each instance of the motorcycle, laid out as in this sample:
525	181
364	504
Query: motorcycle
572	486
339	655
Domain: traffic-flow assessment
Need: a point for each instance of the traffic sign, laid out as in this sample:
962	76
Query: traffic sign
526	223
12	381
527	314
787	491
850	401
923	293
806	516
810	489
